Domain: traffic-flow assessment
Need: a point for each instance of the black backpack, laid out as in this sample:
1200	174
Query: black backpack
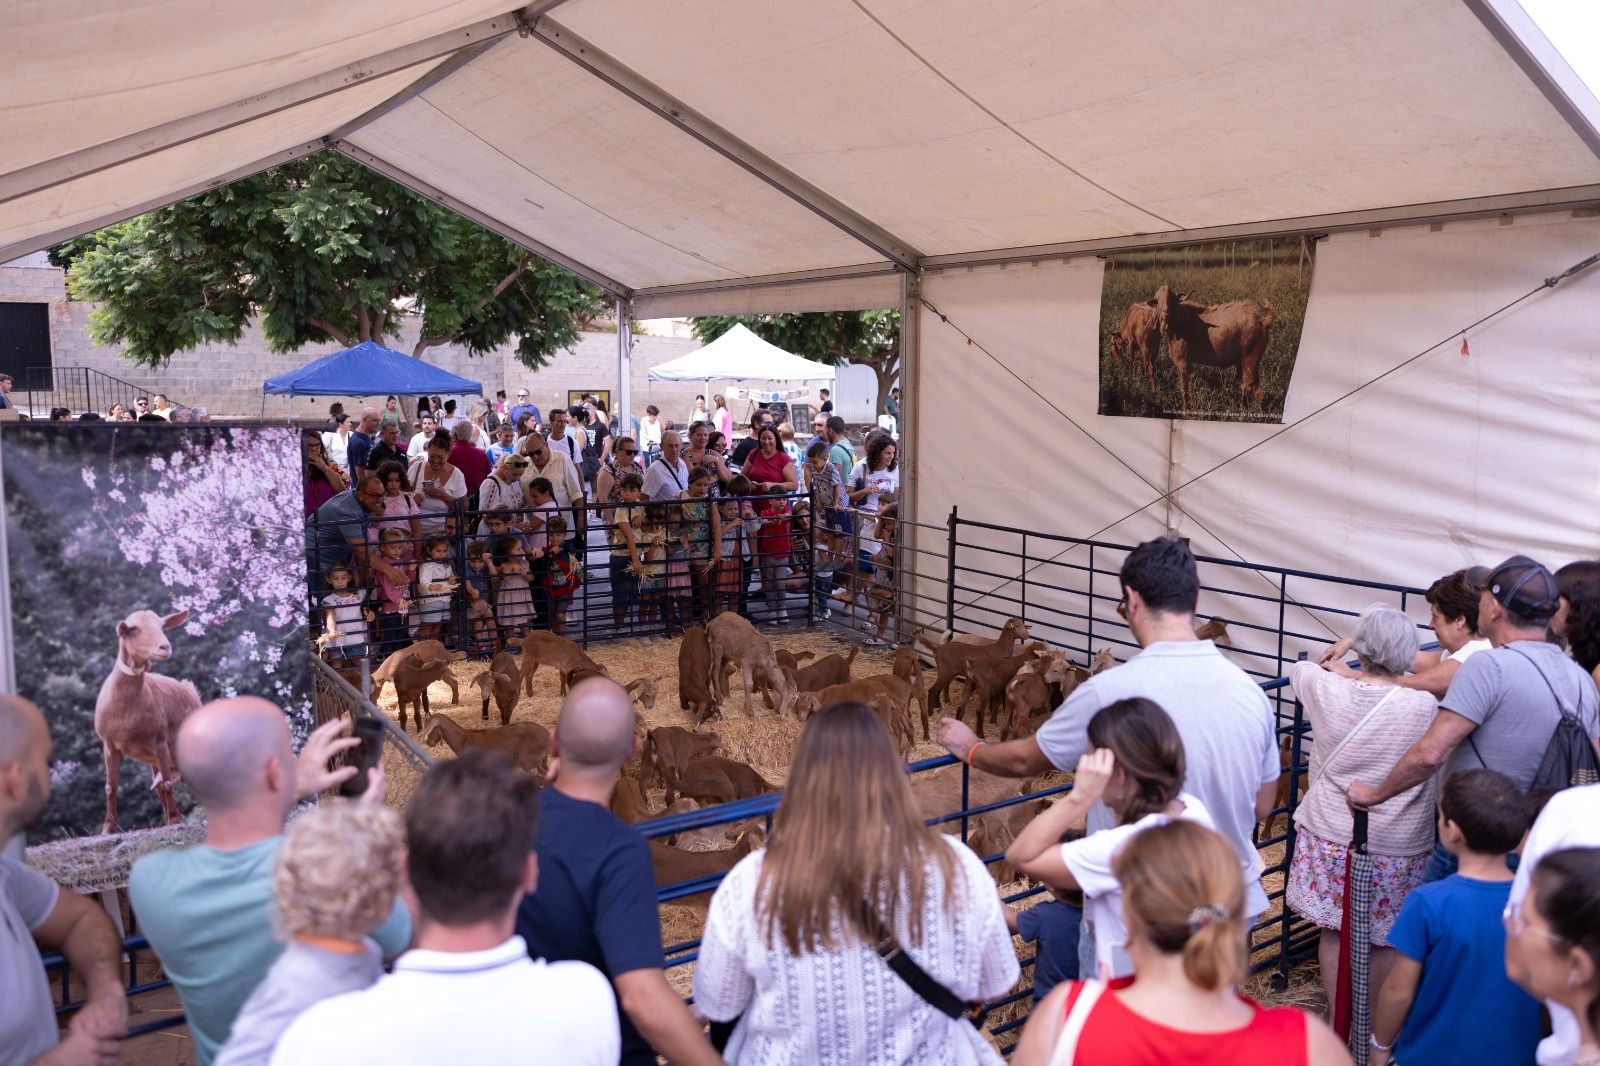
1569	758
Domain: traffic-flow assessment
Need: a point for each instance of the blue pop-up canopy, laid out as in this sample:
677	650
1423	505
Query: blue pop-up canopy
370	369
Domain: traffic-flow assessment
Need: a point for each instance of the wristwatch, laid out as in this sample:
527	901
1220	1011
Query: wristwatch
1372	1038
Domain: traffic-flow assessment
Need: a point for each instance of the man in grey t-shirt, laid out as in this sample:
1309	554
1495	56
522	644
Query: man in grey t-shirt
35	911
1504	703
1222	715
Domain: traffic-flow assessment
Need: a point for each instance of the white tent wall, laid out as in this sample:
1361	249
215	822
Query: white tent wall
1451	461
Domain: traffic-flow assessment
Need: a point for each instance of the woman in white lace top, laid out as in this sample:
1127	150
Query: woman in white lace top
790	947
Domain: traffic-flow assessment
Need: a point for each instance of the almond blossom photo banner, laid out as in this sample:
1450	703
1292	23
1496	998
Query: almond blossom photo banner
152	567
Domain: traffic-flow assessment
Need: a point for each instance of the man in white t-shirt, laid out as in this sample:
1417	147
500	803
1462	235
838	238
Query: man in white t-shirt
1222	715
565	440
419	440
1570	820
467	992
668	476
1454	602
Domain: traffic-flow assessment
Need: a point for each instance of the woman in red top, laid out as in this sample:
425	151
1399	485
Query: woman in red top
1183	899
770	470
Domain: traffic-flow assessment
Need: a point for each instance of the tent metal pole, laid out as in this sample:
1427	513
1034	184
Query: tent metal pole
624	401
909	428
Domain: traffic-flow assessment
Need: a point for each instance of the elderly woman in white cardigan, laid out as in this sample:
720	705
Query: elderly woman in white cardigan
1360	726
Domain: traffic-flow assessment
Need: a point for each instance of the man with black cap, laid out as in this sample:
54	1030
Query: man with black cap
1503	704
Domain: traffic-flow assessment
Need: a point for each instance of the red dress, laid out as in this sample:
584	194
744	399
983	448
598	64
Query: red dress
1113	1035
773	539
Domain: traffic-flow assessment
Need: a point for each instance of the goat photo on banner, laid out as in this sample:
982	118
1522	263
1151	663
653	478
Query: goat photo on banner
152	568
1203	331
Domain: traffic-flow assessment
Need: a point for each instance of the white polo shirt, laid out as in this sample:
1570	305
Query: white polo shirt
479	1007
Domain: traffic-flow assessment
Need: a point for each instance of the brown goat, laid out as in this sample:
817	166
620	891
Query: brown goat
696	693
828	670
734	639
137	713
1227	334
952	655
987	678
1213	629
1141	331
713	779
543	648
414	673
674	865
1281	796
1031	693
628	802
792	659
499	681
668	750
423	649
908	667
528	743
888	696
938	792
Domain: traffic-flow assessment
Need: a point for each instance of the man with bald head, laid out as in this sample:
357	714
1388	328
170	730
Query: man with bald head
668	476
35	912
207	910
358	449
596	897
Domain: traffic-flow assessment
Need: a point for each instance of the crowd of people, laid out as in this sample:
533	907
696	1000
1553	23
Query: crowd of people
520	924
477	529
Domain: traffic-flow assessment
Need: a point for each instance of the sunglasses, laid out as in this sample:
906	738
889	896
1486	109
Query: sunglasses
630	451
518	462
536	455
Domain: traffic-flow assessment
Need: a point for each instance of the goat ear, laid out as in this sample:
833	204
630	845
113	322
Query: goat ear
173	621
124	629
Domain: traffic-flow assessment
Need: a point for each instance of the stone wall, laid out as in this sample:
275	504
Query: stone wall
227	379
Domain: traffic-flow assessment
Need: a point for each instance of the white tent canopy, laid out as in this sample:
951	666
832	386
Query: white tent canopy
740	355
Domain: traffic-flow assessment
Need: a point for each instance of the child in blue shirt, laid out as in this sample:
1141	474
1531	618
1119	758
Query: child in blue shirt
1054	928
1448	998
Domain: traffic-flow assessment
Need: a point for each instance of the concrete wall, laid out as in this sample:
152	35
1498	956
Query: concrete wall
227	378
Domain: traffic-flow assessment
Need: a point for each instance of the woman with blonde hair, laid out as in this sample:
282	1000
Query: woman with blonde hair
811	943
335	881
1183	900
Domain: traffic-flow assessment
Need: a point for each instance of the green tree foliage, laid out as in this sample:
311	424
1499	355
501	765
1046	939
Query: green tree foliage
869	338
321	249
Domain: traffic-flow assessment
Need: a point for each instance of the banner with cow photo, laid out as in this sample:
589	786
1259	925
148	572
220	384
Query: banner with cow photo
151	567
1203	331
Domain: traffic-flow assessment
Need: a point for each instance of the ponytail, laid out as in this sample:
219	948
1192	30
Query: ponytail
1184	895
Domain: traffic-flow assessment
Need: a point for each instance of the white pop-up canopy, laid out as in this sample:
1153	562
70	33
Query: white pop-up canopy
740	355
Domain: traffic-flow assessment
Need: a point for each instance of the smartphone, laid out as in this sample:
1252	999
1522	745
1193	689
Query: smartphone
364	756
427	484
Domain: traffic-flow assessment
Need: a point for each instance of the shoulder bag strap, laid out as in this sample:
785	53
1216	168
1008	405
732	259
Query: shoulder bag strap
1547	684
922	983
1327	763
1066	1048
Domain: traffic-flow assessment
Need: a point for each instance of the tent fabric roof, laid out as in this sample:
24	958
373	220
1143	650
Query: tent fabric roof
740	355
369	369
692	143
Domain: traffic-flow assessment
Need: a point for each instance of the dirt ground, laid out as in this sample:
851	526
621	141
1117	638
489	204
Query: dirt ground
764	740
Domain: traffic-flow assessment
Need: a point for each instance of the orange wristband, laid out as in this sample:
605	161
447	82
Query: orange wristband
971	752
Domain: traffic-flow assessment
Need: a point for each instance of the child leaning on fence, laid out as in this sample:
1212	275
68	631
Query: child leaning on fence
480	598
650	533
563	573
731	552
627	566
513	591
436	586
393	596
698	529
345	617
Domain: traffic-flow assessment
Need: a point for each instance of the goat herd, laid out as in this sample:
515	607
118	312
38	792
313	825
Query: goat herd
1231	334
1011	686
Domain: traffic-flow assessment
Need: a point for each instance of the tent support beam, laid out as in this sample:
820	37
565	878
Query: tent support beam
51	172
623	405
1527	46
719	140
42	241
417	88
1582	197
864	270
909	426
488	222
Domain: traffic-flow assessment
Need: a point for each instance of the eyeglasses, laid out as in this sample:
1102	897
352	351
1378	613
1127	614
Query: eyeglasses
1516	924
628	451
522	396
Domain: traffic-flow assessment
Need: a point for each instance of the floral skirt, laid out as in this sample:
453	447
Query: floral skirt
1316	884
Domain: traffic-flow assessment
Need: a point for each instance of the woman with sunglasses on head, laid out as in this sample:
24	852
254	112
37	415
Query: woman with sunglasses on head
502	488
699	451
1183	899
800	941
